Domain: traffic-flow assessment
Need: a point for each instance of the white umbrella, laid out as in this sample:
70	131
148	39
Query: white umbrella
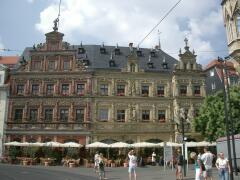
144	144
13	143
25	144
71	144
52	144
173	144
200	144
120	145
97	145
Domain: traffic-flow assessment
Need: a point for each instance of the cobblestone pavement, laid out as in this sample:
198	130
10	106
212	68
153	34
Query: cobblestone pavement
16	172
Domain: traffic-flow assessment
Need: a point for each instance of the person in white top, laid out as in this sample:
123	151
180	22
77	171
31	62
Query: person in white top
132	165
96	162
223	167
207	159
153	158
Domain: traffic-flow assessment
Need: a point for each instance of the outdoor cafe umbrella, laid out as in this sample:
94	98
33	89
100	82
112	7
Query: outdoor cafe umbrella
120	145
71	144
97	145
52	144
36	144
144	144
13	143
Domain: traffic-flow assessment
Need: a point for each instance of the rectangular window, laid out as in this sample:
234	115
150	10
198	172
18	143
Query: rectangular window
50	89
63	115
51	65
145	90
80	89
103	114
18	115
48	115
121	115
104	89
213	86
33	114
146	115
36	65
197	91
35	89
161	116
183	90
20	89
120	90
79	115
65	89
160	91
66	65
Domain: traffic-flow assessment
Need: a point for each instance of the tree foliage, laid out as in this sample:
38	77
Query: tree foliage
210	121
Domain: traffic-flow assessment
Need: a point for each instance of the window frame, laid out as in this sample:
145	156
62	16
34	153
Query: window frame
183	90
63	114
104	89
145	92
146	115
47	115
103	115
80	116
121	115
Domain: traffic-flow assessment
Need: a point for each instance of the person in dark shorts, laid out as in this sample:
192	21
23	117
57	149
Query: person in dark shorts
179	165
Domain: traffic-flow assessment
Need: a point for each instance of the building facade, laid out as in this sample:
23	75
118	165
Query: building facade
214	80
87	93
231	16
4	90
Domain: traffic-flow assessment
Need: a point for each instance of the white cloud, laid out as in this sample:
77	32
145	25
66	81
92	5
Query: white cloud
125	21
1	45
30	1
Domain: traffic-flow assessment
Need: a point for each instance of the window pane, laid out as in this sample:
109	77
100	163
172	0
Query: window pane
66	65
80	89
145	90
79	115
65	89
197	90
183	90
103	115
161	115
51	65
20	89
48	115
49	89
120	90
146	115
36	65
64	115
18	115
104	89
35	89
121	115
160	90
33	114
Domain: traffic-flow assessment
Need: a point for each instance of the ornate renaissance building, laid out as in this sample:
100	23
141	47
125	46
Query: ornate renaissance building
231	16
86	93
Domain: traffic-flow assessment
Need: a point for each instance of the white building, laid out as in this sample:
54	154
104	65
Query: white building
4	88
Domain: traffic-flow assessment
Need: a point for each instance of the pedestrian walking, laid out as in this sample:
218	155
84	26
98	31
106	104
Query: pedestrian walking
207	159
132	165
101	165
179	165
198	167
96	161
153	158
223	167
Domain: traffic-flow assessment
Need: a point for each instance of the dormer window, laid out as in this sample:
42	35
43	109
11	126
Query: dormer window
165	65
81	50
139	53
112	63
102	50
117	51
150	65
153	53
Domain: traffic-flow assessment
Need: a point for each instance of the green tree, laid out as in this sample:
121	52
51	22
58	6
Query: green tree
210	121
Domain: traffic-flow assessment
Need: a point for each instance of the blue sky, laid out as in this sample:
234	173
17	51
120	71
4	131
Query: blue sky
24	23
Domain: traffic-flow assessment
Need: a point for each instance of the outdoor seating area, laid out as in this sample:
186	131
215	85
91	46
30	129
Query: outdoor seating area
72	154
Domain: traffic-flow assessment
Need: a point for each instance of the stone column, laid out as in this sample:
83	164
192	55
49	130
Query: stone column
25	112
42	85
55	112
71	113
203	89
73	89
190	89
27	87
112	113
154	111
10	111
40	116
88	112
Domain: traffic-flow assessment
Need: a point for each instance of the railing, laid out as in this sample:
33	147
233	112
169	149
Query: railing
48	126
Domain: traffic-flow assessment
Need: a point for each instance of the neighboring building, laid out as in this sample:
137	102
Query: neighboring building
215	76
231	16
9	61
89	93
4	89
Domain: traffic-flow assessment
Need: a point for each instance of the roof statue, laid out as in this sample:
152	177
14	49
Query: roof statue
55	27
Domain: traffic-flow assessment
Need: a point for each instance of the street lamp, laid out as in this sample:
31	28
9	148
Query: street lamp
183	124
226	109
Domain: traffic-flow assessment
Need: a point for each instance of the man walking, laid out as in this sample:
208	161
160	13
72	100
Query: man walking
207	159
132	165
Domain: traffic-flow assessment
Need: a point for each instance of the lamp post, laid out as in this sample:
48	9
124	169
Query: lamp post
226	102
183	117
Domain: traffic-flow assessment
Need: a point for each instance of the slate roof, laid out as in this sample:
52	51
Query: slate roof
98	60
